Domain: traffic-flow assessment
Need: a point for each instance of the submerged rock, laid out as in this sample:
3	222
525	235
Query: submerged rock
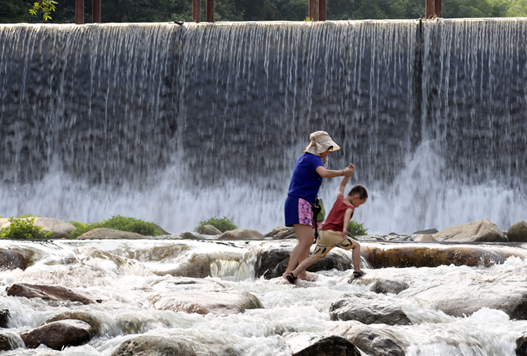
272	261
241	234
102	233
370	340
147	345
209	230
86	317
309	344
12	259
476	231
521	345
388	286
10	340
223	302
368	308
59	334
518	232
417	255
4	318
46	293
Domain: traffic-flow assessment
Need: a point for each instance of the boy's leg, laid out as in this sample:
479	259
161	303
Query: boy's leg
355	255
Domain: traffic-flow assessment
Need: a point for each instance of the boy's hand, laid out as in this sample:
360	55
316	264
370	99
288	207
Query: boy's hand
348	171
344	234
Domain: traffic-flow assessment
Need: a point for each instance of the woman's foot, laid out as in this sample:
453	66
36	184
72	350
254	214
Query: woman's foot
291	278
358	274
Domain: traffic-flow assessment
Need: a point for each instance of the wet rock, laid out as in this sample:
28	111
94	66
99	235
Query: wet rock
272	261
518	232
86	317
147	345
44	292
4	318
12	259
309	344
417	255
388	286
428	238
59	334
370	340
476	231
209	230
521	345
282	232
368	308
222	302
102	233
198	266
463	298
10	341
426	232
241	234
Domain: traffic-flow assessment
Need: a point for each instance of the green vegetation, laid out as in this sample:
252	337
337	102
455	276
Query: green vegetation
23	228
356	229
12	11
117	223
222	224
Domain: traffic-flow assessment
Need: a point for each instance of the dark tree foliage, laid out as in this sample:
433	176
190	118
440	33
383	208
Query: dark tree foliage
261	10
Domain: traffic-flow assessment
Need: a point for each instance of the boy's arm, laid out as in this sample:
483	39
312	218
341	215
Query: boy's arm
345	181
347	218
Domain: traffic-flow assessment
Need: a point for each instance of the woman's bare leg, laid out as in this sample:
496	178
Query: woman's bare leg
301	251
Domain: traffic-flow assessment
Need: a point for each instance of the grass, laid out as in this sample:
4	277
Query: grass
117	222
223	224
23	228
356	229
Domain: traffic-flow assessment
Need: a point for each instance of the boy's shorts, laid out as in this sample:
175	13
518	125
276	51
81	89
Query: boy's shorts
327	239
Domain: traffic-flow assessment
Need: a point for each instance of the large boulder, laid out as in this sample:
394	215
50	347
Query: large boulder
463	298
371	341
88	318
44	292
476	231
518	232
209	230
282	232
309	344
12	259
418	255
241	234
10	340
368	308
214	302
59	228
102	233
150	345
59	334
271	261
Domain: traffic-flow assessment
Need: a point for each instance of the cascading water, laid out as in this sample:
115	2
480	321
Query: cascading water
175	124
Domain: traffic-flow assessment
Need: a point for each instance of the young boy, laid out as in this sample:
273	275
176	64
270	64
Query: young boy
335	229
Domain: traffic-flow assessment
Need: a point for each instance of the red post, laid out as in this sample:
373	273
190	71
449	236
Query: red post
313	10
196	10
96	11
321	10
430	9
79	12
439	8
210	10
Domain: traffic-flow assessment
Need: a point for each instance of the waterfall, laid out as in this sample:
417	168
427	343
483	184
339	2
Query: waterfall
175	124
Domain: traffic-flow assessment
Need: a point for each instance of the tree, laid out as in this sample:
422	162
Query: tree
46	6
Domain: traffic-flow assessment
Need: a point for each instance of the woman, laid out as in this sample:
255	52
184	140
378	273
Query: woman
303	189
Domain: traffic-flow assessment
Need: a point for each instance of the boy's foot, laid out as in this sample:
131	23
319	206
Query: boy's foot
290	277
358	274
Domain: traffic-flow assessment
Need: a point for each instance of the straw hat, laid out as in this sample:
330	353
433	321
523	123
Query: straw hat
320	142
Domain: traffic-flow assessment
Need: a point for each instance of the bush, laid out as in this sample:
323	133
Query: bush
117	223
356	229
23	229
223	224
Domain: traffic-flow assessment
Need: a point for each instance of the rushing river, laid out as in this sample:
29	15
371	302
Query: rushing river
124	276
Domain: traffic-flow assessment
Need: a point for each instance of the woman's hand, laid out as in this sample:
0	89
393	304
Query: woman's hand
349	170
